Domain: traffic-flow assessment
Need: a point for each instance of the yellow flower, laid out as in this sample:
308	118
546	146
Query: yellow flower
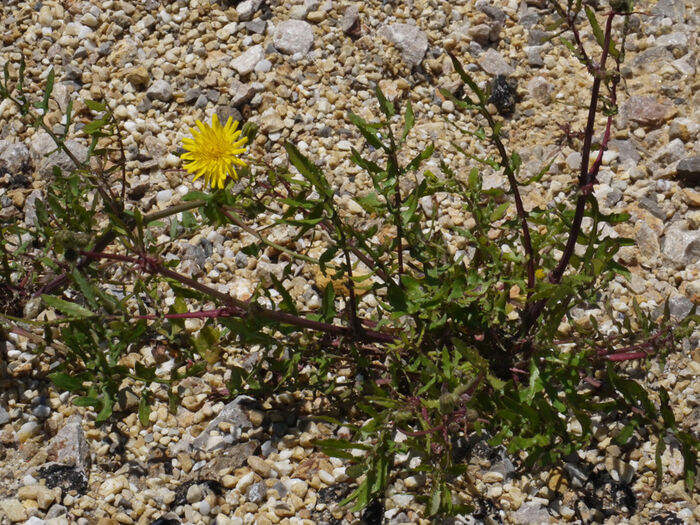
213	151
540	273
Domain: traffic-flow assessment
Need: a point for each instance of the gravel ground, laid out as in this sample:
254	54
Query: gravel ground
296	69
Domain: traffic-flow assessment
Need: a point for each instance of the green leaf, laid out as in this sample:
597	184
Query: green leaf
47	91
467	79
385	105
107	404
499	212
95	106
367	132
598	32
408	121
418	159
308	170
328	303
144	409
86	401
65	307
144	372
666	411
66	382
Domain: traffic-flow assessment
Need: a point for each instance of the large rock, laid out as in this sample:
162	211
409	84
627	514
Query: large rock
410	40
293	36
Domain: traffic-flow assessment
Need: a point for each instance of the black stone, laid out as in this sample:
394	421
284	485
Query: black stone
503	94
374	513
64	476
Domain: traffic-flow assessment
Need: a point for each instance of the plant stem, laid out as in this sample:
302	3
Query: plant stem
586	178
244	308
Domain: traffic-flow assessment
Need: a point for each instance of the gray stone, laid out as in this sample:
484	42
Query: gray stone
191	95
350	23
627	150
293	36
534	56
72	74
674	41
540	90
646	110
411	41
245	63
232	414
671	152
13	156
247	9
55	511
531	513
679	306
160	90
241	93
682	246
30	207
494	64
229	458
673	9
688	170
481	33
42	144
647	241
263	66
494	12
257	26
69	446
4	416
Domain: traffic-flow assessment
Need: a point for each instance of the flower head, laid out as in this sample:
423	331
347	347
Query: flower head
213	151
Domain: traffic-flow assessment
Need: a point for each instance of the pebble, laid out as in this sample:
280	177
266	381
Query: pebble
160	90
27	431
247	62
293	36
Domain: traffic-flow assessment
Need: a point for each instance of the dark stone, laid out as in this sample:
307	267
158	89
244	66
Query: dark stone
181	492
688	170
503	94
64	476
168	519
374	513
334	493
